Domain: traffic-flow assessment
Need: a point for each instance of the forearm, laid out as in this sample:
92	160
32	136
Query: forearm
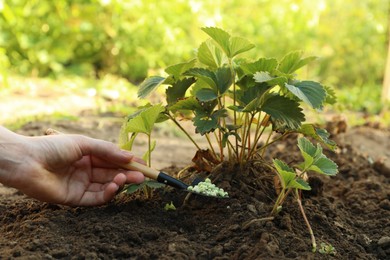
11	155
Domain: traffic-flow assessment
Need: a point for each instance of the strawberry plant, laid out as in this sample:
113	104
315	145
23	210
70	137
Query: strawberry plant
241	107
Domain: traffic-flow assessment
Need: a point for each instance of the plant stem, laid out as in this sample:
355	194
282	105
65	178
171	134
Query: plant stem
266	143
254	146
244	138
273	141
211	146
184	131
278	202
234	103
150	150
313	239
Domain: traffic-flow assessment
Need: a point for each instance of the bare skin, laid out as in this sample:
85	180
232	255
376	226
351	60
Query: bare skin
72	170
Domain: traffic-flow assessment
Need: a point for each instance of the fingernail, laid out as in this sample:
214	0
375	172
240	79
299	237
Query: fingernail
127	153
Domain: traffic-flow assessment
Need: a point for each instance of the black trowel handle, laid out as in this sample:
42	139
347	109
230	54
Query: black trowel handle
156	175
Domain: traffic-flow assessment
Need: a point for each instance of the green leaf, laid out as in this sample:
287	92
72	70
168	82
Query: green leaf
262	76
178	69
131	188
148	85
209	55
124	141
223	78
285	172
246	82
144	121
206	75
306	146
330	95
154	184
299	184
245	96
284	111
169	206
321	135
178	90
293	61
239	45
263	64
190	103
315	160
206	94
220	37
310	92
231	46
325	166
204	122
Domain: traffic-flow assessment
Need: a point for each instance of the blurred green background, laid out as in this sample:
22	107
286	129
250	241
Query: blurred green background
91	39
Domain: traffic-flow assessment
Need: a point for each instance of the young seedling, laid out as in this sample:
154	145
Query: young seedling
327	249
234	102
169	206
141	121
243	106
292	180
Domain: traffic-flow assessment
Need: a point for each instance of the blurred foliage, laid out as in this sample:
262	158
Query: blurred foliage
129	38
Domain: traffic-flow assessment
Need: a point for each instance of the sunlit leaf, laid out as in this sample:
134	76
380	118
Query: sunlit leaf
293	61
262	76
330	95
144	121
263	64
178	69
239	45
220	37
209	55
148	85
309	92
231	46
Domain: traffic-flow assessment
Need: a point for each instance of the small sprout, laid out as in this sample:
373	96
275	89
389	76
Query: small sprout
327	249
208	189
169	206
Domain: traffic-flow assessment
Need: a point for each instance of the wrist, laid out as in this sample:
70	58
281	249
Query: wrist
12	150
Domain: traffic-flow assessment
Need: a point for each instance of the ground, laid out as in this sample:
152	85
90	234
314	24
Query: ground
350	211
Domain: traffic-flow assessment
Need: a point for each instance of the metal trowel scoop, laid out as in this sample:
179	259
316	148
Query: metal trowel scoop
165	178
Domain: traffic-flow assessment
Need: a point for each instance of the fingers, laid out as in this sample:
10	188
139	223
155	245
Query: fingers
99	194
104	150
96	198
102	175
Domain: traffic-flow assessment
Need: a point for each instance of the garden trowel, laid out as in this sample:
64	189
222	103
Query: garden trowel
165	178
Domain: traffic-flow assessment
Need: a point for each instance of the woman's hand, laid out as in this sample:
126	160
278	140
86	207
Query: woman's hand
65	169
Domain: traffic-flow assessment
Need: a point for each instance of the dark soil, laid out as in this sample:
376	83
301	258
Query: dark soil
350	211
